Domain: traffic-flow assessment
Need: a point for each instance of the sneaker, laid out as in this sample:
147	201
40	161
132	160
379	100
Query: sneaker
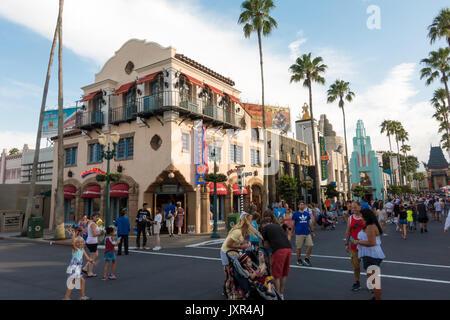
156	248
281	296
356	286
426	230
85	298
105	278
144	248
307	262
138	248
112	277
300	262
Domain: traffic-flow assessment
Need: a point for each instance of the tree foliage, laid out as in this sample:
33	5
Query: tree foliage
331	191
219	177
14	151
287	188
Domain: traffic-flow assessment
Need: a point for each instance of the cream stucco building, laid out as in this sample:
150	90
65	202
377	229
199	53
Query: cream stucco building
159	102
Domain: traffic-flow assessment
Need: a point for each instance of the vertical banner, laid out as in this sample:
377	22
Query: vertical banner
323	158
200	152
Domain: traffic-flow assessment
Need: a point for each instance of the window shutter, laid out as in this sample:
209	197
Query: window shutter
232	158
121	149
91	153
67	162
252	157
239	154
74	156
130	148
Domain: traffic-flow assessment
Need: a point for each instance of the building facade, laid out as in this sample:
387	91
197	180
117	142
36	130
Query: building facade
11	166
365	169
167	109
437	169
45	166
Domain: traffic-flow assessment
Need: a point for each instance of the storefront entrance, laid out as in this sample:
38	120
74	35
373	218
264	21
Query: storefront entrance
162	199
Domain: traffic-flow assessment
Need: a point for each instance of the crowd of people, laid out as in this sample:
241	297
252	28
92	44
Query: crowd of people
86	233
280	227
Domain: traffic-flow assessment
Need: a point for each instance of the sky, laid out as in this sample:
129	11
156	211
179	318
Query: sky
379	54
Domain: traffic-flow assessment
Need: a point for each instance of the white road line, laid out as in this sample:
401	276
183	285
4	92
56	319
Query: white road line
206	243
297	267
348	258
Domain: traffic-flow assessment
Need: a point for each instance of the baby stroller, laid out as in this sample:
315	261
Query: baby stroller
326	223
239	286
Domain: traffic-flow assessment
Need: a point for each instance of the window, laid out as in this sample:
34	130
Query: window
282	148
236	154
218	153
125	149
71	156
293	151
186	139
255	134
255	158
95	153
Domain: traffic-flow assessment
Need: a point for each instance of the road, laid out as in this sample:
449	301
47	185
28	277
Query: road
416	268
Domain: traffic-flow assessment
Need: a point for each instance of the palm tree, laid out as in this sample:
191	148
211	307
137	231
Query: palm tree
341	89
310	70
32	188
388	128
255	17
398	130
405	149
59	210
440	28
437	66
442	111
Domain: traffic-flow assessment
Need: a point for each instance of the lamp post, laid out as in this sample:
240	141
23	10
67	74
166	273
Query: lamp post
215	142
108	155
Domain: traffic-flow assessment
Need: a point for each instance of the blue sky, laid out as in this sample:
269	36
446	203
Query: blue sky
382	65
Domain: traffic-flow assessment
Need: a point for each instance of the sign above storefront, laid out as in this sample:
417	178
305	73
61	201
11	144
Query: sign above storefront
92	171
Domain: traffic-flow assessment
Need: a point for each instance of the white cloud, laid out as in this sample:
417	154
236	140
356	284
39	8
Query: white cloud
17	139
96	29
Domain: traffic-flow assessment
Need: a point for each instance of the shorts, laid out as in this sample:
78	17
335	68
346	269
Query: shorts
301	240
156	228
110	256
281	260
356	262
369	261
224	258
402	221
169	222
92	247
423	219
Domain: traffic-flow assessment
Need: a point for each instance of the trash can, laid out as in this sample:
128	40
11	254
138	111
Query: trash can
36	227
232	220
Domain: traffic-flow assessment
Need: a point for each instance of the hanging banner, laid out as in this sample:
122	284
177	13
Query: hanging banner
200	152
323	158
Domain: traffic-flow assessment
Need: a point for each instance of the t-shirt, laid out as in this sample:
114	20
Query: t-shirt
301	220
438	206
327	203
109	245
279	212
356	225
142	216
277	238
365	205
237	237
409	215
169	208
389	206
403	214
123	226
421	208
158	218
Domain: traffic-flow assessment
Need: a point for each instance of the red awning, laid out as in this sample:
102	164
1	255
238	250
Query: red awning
193	80
148	78
233	98
70	192
124	88
236	191
221	189
215	90
90	96
119	190
92	192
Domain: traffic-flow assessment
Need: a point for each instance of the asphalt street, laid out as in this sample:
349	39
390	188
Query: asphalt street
416	268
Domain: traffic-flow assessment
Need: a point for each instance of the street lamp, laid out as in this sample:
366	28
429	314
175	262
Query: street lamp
108	155
215	144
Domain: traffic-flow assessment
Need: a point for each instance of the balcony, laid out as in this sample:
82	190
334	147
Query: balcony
89	120
193	108
126	113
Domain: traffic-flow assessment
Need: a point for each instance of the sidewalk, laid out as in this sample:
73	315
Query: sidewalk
166	241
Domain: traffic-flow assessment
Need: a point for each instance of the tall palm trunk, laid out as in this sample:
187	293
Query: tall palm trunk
266	177
447	129
32	188
314	137
390	158
399	161
59	212
444	80
346	156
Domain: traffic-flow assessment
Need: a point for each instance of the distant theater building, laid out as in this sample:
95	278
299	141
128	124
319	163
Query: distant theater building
437	169
166	108
365	169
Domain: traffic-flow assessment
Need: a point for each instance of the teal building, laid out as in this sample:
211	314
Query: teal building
365	168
